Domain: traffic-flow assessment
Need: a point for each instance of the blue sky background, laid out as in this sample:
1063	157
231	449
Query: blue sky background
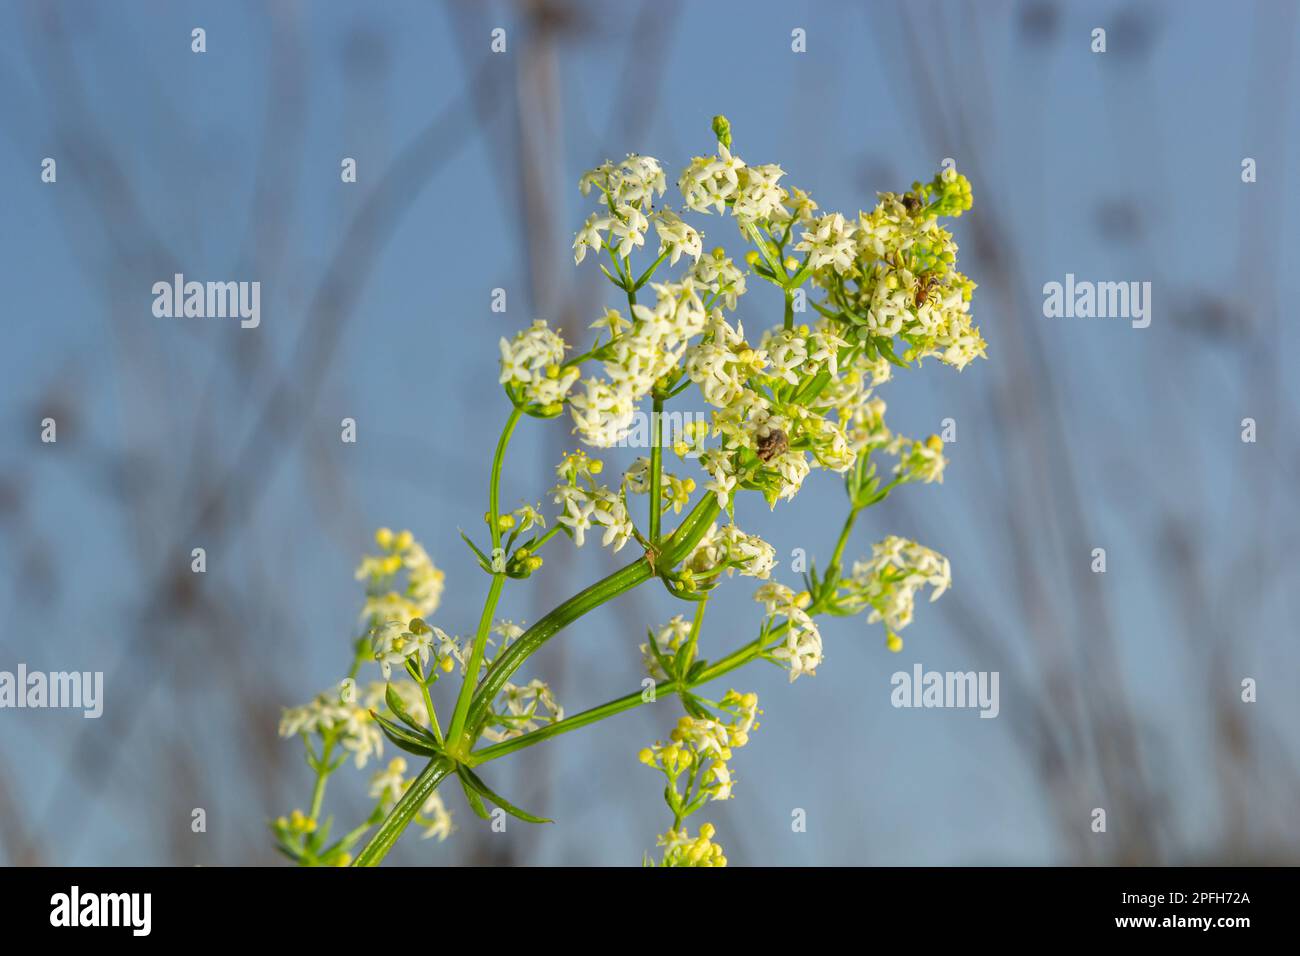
1074	434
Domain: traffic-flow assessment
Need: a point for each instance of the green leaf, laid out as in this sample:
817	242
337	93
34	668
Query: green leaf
682	659
693	707
397	707
475	801
290	852
483	558
886	348
659	655
504	804
403	739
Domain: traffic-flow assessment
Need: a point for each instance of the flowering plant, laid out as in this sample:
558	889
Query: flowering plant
802	397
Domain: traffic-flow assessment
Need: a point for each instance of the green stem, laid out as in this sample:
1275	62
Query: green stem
765	249
428	705
789	309
656	470
672	551
494	591
650	270
844	539
322	774
405	810
737	658
693	640
456	732
494	482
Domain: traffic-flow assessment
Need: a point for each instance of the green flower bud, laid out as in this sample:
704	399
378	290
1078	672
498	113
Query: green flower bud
722	129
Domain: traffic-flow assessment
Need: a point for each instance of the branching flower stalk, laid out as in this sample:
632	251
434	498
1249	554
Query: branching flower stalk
802	397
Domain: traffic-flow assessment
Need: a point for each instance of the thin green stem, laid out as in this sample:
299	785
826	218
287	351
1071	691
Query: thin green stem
322	775
844	540
672	550
765	249
656	469
693	640
494	481
650	270
494	591
428	705
737	658
455	733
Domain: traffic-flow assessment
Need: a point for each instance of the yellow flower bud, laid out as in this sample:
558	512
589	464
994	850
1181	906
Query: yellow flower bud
404	541
384	538
505	522
596	466
934	443
894	642
446	665
647	757
751	257
707	831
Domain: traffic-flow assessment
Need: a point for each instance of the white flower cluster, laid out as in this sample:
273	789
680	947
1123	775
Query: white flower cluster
627	191
891	271
703	746
422	592
395	643
515	710
634	361
799	649
532	367
335	714
714	182
675	492
888	581
588	504
919	460
727	548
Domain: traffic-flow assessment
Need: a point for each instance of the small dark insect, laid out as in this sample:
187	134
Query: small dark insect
772	444
923	289
911	203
